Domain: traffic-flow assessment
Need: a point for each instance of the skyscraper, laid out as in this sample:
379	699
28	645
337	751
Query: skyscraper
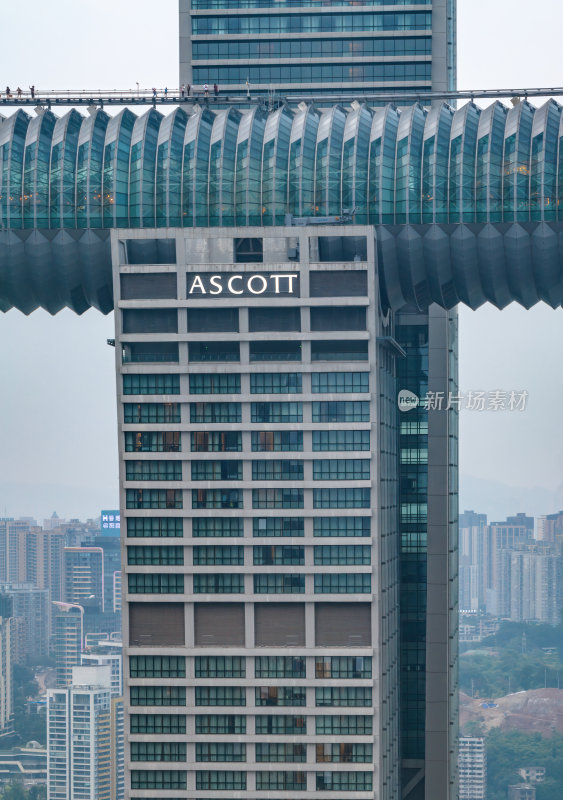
288	537
310	47
472	768
79	737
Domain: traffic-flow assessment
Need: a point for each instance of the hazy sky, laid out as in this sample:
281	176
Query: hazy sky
57	409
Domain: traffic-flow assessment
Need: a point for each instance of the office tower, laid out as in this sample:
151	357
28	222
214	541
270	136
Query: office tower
79	737
6	663
31	620
472	539
84	577
255	491
68	637
472	768
314	48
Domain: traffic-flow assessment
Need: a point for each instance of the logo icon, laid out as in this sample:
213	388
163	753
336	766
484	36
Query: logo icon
407	400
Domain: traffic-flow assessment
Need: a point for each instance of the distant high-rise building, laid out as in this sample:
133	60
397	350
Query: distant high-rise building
107	653
117	739
79	737
53	522
31	615
550	527
471	559
84	577
528	579
117	592
68	636
6	663
13	560
499	536
472	768
522	791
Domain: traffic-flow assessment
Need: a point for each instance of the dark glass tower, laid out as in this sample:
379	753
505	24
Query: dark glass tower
353	47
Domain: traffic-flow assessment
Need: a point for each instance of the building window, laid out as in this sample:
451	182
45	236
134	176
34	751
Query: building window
249	251
342	526
274	319
335	318
221	583
282	753
151	384
341	469
218	555
277	470
284	555
344	781
152	527
339	382
156	555
152	442
280	724
214	351
280	696
158	724
153	470
220	780
216	441
220	751
343	583
279	584
216	470
158	695
341	498
275	350
277	498
276	383
171	779
217	527
214	384
339	351
343	725
150	352
271	441
148	413
215	412
153	498
158	751
220	696
341	440
219	723
279	667
342	554
351	696
281	781
344	753
213	320
278	526
341	411
343	667
157	666
276	412
220	667
217	498
153	583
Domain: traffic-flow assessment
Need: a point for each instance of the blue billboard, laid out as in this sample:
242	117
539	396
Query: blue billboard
110	521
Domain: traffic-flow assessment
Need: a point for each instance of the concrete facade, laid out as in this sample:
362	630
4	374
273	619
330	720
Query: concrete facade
220	370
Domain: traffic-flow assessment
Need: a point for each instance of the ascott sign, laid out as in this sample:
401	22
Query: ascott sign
242	284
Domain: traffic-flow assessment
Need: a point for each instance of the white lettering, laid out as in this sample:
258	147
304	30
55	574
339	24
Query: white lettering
197	284
278	277
230	284
215	281
260	278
